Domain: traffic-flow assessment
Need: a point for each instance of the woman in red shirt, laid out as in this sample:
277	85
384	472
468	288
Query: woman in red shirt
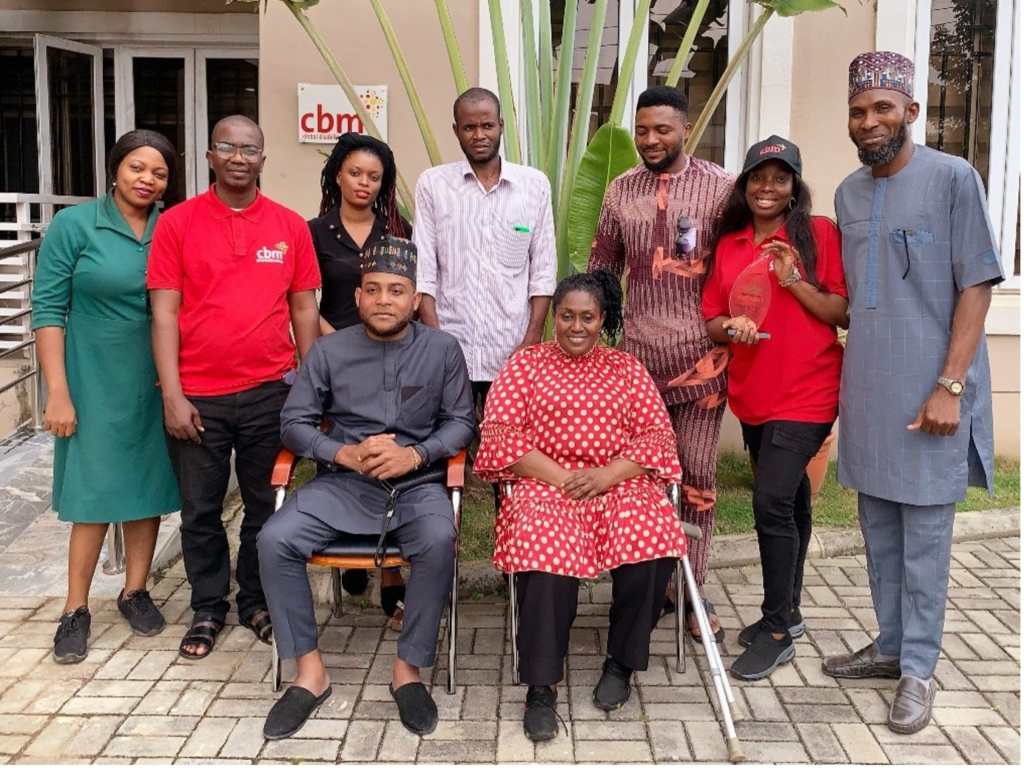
783	373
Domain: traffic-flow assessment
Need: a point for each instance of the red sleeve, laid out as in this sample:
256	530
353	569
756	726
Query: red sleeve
830	256
714	300
651	442
506	434
307	270
164	270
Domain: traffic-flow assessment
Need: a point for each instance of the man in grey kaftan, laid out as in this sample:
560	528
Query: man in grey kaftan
403	394
915	414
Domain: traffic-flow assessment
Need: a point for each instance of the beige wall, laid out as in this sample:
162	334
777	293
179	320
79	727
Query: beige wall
292	172
823	45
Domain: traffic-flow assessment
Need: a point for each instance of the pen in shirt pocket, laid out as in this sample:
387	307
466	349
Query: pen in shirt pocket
521	228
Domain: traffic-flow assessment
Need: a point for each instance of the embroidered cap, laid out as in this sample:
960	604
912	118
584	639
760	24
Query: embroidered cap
882	69
394	255
774	148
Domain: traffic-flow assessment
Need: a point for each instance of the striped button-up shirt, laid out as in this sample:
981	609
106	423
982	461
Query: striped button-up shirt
482	254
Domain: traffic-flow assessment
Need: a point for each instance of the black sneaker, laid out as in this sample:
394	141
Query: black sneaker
143	615
540	721
763	656
613	689
70	643
797	627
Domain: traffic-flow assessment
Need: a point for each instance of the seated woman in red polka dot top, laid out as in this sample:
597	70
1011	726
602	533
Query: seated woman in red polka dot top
583	432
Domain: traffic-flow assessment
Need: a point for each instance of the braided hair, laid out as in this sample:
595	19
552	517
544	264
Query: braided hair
385	205
607	292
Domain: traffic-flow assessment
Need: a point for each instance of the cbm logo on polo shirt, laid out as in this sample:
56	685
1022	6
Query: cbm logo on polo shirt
273	255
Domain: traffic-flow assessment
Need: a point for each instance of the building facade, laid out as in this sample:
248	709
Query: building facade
91	69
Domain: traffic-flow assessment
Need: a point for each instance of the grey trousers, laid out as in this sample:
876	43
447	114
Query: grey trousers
908	551
426	539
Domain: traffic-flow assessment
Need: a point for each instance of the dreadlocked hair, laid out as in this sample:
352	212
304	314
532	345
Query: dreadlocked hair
607	292
385	205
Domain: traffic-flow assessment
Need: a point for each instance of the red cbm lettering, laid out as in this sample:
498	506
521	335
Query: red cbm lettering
328	123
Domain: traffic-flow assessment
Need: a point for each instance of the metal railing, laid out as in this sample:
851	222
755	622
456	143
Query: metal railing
27	249
34	419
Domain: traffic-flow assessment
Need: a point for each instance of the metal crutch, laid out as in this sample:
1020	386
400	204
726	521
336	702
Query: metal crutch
115	560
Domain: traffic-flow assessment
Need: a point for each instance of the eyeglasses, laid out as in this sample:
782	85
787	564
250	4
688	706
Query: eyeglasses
226	150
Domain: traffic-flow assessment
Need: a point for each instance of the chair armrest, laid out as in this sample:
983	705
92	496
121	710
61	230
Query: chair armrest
284	467
457	470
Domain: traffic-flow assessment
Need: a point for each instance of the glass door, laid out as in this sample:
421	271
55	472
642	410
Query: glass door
156	91
69	117
227	83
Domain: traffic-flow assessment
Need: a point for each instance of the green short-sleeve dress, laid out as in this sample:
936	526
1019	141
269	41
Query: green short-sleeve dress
91	281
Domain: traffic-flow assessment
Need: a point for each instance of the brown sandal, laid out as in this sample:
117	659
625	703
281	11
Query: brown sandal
260	625
203	632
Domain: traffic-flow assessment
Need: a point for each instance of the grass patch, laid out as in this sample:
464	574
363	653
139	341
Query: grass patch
835	506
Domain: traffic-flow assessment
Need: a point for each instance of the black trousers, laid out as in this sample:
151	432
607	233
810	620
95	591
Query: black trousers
249	423
480	390
547	609
782	509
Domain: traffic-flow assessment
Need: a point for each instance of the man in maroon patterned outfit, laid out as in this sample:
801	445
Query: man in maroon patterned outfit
658	223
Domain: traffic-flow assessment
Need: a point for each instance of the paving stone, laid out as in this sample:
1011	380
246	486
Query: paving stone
822	713
115	688
208	737
456	730
597	730
361	741
456	752
752	730
974	746
144	746
558	750
152	666
764	704
196	698
245	739
302	749
967	716
775	752
930	734
111	705
21	724
859	743
821	743
707	742
812	696
1006	741
12	745
917	754
120	664
624	752
398	745
668	741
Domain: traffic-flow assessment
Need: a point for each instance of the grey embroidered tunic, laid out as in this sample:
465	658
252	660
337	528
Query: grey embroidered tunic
416	388
911	243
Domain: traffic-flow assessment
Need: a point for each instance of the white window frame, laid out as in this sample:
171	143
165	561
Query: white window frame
905	26
41	44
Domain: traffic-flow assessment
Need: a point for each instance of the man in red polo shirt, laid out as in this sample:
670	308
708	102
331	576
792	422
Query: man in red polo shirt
229	271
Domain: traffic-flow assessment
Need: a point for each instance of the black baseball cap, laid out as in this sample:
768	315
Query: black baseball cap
774	148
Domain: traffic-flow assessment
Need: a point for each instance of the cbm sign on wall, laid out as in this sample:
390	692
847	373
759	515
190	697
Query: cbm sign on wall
325	112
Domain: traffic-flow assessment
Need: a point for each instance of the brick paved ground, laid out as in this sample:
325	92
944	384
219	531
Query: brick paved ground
133	700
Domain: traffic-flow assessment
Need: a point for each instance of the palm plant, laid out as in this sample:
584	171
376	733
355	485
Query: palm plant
579	171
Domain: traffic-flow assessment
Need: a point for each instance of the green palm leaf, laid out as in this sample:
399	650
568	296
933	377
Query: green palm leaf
609	154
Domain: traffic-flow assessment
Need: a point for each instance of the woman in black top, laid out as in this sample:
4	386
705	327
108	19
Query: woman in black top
357	208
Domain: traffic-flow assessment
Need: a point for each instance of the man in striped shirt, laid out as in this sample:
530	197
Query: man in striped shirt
658	220
486	242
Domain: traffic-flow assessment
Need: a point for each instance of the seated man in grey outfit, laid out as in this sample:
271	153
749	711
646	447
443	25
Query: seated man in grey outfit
396	397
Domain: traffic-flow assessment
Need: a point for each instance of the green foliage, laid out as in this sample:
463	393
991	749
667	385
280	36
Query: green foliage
796	7
610	153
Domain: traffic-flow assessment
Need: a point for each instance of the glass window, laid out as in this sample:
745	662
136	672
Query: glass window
71	122
960	79
607	62
669	19
19	167
159	85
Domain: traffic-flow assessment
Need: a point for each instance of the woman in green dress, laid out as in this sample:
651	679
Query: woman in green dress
91	317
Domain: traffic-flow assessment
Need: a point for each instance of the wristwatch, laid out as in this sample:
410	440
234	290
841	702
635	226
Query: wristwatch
955	387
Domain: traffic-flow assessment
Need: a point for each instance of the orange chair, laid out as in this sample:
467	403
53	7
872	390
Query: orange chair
357	551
